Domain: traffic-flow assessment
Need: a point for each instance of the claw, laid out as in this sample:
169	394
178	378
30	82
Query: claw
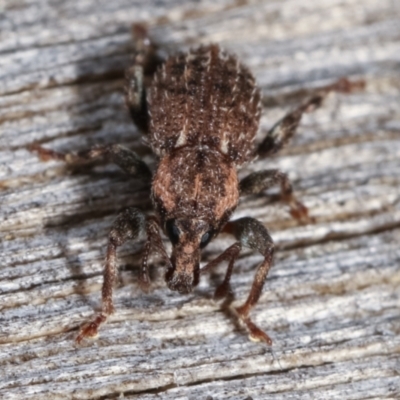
256	334
300	212
91	329
46	154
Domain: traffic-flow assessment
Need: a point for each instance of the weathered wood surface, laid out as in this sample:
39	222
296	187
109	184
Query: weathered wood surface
332	301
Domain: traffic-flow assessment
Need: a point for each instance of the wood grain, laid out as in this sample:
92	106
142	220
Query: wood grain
332	301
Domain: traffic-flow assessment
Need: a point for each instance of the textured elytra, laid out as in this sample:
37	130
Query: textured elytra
205	97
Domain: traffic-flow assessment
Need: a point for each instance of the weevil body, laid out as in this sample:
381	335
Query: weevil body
200	111
205	110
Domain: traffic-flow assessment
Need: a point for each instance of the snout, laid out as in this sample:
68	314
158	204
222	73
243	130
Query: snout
180	282
183	275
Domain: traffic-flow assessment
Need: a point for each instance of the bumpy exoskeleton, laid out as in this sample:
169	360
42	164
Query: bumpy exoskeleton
200	111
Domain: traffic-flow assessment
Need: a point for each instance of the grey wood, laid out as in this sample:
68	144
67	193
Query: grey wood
332	300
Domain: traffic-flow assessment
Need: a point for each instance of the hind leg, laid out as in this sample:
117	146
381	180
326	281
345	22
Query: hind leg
279	135
276	139
138	75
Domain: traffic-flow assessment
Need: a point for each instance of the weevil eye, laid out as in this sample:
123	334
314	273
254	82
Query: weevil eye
205	239
172	231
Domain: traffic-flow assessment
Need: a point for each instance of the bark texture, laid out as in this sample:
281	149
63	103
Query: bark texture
332	300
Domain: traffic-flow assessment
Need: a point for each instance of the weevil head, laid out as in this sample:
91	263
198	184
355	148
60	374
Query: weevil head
194	193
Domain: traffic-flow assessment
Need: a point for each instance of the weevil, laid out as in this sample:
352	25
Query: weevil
200	112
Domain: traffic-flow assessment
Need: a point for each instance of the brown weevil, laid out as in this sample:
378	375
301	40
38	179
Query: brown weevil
200	111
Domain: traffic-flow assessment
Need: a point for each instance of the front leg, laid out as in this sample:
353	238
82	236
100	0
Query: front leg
259	181
249	233
129	225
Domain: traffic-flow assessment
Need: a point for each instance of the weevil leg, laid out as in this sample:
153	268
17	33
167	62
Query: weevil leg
125	158
283	130
249	233
259	181
129	225
154	244
139	75
145	62
230	254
